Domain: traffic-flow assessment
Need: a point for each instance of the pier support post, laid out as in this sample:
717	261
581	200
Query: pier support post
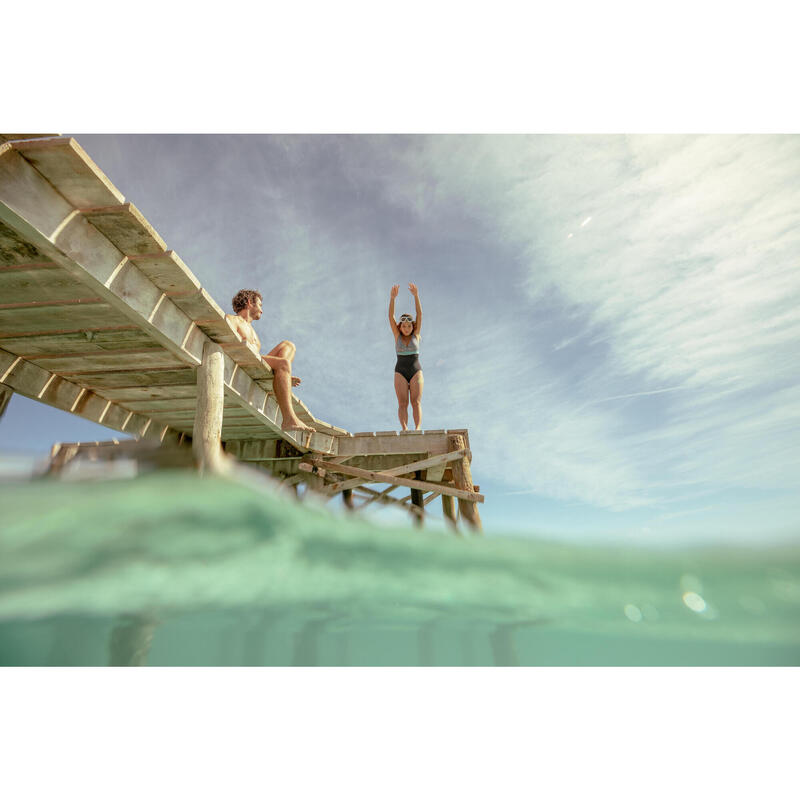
5	396
449	511
347	499
314	482
418	512
462	477
207	432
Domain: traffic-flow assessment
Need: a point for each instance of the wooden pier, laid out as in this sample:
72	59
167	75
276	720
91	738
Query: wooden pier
99	318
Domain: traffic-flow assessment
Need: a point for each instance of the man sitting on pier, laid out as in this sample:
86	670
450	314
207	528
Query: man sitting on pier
247	306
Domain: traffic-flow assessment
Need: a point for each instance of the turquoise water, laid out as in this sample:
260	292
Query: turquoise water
173	569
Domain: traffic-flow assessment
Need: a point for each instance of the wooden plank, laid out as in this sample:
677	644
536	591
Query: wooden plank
375	463
184	411
129	394
136	377
14	250
436	473
36	383
5	396
234	435
65	164
103	341
87	363
126	228
370	444
16	321
10	137
171	405
377	495
168	272
209	317
382	477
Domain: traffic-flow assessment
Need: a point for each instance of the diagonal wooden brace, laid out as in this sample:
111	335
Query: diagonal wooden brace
309	464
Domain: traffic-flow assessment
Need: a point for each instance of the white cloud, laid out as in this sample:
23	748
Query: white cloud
688	278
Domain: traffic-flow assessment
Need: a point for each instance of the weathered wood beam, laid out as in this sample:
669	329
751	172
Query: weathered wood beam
377	495
5	396
308	464
414	466
388	444
36	383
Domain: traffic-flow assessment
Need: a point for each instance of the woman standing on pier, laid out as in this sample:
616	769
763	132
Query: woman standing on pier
408	381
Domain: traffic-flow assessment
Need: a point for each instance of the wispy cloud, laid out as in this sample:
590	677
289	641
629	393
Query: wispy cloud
687	278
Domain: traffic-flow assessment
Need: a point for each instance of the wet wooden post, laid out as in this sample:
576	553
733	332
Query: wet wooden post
462	477
449	511
131	639
418	510
347	499
207	431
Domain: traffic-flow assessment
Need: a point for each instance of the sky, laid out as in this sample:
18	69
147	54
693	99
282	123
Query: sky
614	318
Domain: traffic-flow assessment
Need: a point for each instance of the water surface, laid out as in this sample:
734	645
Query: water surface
174	569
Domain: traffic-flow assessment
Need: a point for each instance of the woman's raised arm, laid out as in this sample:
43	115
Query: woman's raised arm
392	298
412	287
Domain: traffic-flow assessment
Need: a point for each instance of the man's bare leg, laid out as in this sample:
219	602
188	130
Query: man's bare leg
286	349
281	383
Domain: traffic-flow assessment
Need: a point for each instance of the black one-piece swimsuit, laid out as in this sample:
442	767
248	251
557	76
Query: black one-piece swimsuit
408	363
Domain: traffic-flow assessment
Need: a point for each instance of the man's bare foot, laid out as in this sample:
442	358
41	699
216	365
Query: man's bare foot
295	380
297	426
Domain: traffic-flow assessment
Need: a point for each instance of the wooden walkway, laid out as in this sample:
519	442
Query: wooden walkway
99	318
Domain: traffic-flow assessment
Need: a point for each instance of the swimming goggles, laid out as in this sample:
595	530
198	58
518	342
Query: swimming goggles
406	318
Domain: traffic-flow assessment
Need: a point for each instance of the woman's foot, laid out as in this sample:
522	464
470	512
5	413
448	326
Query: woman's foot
295	380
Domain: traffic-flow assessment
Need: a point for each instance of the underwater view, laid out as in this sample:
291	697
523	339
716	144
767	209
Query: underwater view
178	570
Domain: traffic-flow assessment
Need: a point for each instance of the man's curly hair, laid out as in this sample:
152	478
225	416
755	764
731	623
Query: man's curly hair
243	298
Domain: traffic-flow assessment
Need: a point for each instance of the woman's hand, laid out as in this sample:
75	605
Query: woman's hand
395	290
412	287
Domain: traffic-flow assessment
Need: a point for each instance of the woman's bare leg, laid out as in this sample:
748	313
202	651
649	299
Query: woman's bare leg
401	390
415	388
